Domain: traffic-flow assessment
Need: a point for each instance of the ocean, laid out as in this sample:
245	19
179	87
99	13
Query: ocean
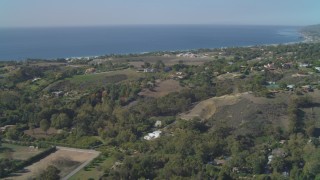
63	42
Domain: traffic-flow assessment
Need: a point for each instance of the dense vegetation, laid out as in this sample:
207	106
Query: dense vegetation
113	114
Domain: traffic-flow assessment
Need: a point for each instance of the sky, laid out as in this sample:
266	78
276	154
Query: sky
49	13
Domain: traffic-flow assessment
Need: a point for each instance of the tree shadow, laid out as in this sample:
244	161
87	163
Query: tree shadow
316	132
5	149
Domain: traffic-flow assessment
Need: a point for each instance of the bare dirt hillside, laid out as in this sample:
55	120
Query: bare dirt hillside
249	114
207	108
242	110
162	89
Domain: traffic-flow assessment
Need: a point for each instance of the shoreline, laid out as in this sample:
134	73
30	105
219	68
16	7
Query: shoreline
303	36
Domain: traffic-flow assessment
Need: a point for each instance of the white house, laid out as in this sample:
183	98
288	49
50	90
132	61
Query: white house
153	135
35	79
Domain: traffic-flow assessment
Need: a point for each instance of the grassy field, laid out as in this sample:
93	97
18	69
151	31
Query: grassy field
138	61
106	77
162	89
17	152
94	172
81	82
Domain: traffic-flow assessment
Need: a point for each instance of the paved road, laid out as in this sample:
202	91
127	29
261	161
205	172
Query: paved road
96	153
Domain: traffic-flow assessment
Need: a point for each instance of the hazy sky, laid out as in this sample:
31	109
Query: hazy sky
30	13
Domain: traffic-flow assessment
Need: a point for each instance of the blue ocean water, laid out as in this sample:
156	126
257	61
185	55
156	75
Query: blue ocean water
59	42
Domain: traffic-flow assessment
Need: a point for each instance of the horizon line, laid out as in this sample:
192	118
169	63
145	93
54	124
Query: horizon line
160	24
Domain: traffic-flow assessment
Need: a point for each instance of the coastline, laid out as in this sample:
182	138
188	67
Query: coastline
305	38
300	38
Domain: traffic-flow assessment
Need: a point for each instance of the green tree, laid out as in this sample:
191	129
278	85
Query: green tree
61	120
44	125
159	65
51	173
12	134
31	126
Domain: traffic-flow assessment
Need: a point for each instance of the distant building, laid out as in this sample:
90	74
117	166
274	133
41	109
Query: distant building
290	87
149	70
35	79
304	65
58	93
269	66
187	55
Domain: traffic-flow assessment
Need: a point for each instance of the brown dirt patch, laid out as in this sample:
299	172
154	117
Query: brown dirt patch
74	158
228	76
39	133
162	89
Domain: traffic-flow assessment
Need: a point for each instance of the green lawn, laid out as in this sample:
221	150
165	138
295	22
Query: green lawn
101	79
95	172
111	76
17	152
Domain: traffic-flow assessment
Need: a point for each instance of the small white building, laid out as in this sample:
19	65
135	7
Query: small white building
35	79
153	135
305	65
158	124
290	86
149	70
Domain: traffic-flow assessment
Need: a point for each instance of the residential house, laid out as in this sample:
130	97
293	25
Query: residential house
58	93
149	70
305	65
269	66
35	79
153	135
290	87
